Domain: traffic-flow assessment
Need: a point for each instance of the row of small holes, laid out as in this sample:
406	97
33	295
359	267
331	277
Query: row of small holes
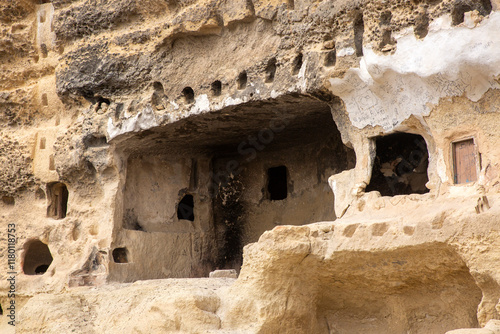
242	80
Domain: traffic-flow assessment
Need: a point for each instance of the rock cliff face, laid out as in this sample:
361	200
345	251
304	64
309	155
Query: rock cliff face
341	156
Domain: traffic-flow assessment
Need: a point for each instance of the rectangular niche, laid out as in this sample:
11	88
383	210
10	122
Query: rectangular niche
464	161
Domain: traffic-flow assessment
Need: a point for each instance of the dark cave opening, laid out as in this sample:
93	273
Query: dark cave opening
400	166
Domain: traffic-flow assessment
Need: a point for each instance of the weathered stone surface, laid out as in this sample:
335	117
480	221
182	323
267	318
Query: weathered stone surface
146	140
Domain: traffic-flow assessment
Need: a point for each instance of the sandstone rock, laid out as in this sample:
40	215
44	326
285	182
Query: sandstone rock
341	156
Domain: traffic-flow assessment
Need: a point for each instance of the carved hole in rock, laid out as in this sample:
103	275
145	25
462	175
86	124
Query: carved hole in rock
216	88
385	18
58	194
385	25
159	98
120	255
270	70
45	101
277	184
297	64
242	80
42	143
52	163
400	166
94	141
221	159
331	58
291	4
185	209
1	310
37	258
359	30
361	290
188	94
157	86
457	14
44	50
9	200
421	26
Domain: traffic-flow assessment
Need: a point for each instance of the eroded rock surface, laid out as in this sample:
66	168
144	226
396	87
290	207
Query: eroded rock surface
342	157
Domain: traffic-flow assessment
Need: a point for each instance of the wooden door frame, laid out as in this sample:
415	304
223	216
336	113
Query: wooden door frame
452	158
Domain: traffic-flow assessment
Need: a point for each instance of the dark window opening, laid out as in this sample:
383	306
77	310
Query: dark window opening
359	30
277	183
37	258
58	200
120	255
1	310
242	80
271	70
216	88
297	64
400	166
188	93
185	209
464	162
331	58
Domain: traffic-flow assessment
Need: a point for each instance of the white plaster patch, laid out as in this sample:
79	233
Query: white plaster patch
302	84
229	101
387	89
202	104
144	120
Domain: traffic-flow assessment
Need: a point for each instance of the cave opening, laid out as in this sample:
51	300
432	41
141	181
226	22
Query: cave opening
400	166
37	258
239	167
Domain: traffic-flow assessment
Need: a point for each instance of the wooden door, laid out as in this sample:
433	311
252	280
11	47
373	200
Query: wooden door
464	161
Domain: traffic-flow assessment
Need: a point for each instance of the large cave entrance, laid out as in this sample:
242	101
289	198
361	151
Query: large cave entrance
198	190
